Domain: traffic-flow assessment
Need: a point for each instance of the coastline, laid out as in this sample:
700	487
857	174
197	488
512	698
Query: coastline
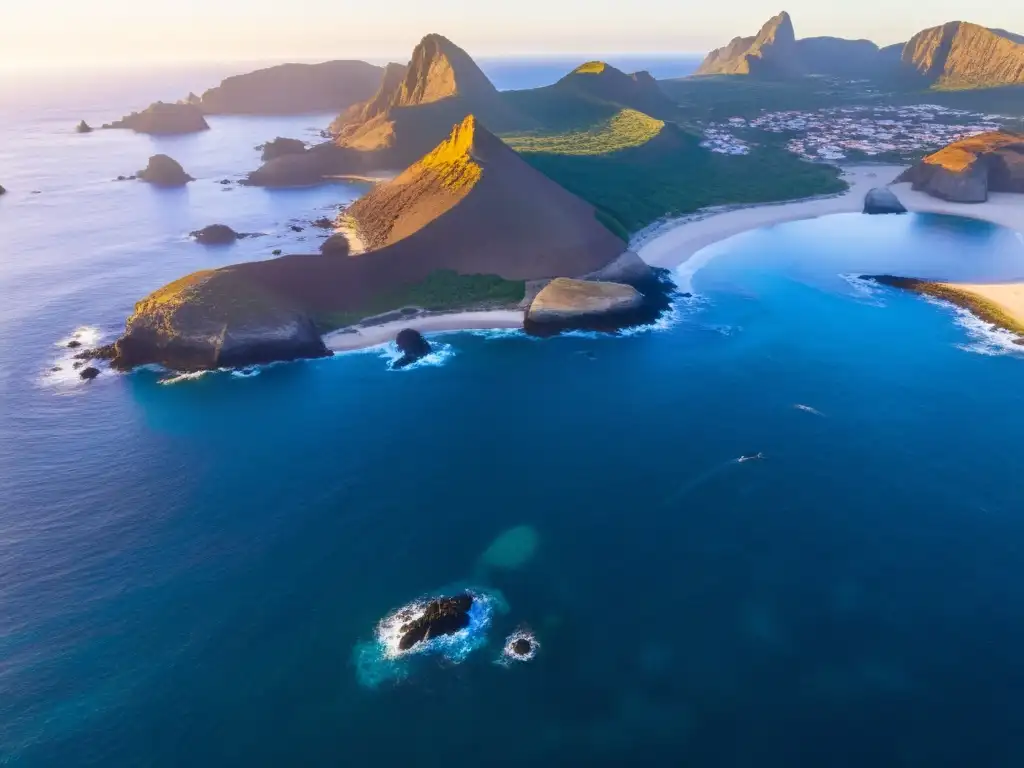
1001	304
364	337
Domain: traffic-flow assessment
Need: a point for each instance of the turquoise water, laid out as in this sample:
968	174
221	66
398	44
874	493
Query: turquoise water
189	571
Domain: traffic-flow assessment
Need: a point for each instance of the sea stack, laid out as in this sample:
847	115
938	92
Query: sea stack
443	616
164	119
967	170
2	190
164	171
83	127
280	147
412	346
215	234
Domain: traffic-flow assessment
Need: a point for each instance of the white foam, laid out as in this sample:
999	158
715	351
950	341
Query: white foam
685	272
68	376
987	338
808	409
509	656
867	290
177	378
247	372
87	336
440	353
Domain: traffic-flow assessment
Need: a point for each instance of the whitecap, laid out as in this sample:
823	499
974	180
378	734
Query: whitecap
865	289
87	336
177	378
247	373
440	353
808	409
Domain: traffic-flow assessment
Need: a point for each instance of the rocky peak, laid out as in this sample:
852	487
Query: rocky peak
961	54
778	30
439	69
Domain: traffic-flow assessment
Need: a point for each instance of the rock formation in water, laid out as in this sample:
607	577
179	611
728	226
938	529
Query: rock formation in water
964	55
443	616
603	82
164	171
770	53
568	303
882	200
83	127
220	234
967	170
164	119
2	190
89	373
411	112
412	345
280	147
336	245
289	89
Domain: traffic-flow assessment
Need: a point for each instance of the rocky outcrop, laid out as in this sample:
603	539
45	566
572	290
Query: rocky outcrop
164	171
89	373
412	111
280	147
967	170
443	616
290	89
336	245
220	234
567	303
770	53
412	345
83	127
164	119
964	55
210	320
2	190
882	200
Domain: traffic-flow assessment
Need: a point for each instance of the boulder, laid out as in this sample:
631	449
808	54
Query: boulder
443	616
522	647
215	234
412	345
164	171
882	200
280	147
568	303
73	344
83	127
335	245
164	119
89	373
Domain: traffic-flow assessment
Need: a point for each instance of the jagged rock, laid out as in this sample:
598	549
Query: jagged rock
335	245
967	170
412	345
214	319
568	303
882	200
73	344
163	118
280	147
89	373
771	53
215	234
443	616
83	127
164	171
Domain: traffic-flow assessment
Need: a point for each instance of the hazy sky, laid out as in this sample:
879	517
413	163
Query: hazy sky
101	31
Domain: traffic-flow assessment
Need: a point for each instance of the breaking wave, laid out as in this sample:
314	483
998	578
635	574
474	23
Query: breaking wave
986	338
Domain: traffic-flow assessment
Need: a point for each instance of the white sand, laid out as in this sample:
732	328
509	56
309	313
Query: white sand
1008	297
375	335
678	240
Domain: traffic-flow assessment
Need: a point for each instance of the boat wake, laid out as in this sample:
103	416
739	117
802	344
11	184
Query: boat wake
808	409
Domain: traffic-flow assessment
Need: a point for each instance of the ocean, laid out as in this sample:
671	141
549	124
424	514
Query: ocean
191	573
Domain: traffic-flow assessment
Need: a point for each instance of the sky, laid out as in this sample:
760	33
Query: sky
62	32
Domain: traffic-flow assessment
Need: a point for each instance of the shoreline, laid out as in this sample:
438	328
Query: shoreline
1001	304
366	337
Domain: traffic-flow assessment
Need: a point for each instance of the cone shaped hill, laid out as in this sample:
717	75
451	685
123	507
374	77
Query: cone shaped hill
463	227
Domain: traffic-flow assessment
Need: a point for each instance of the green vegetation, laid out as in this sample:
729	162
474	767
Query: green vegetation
626	128
442	290
672	175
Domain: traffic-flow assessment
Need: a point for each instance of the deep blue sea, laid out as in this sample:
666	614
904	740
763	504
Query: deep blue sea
191	573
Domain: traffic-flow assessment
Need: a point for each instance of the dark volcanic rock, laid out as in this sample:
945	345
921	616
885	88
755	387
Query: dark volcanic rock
882	200
335	245
412	345
74	344
83	127
444	616
280	147
522	647
161	118
215	234
323	223
89	373
164	171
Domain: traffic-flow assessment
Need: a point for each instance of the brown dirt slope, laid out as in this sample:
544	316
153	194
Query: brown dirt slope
772	52
294	89
963	55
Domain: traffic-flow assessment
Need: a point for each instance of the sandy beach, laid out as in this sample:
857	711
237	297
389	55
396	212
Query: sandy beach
375	335
677	241
1007	297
